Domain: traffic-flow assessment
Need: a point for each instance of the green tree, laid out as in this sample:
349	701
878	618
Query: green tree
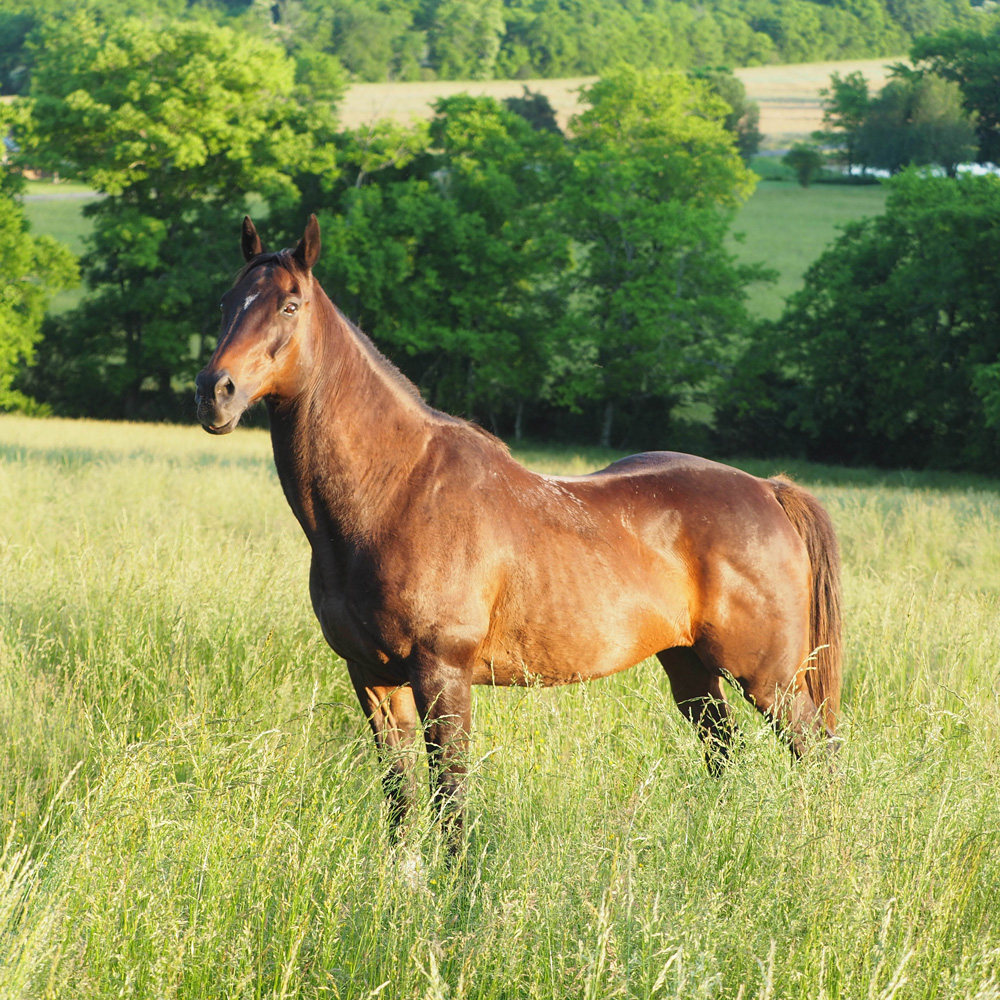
661	299
805	160
536	109
971	59
375	41
464	38
14	30
743	119
890	352
20	19
31	269
846	104
916	120
177	125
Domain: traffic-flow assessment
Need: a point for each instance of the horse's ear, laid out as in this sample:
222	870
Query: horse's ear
249	240
307	251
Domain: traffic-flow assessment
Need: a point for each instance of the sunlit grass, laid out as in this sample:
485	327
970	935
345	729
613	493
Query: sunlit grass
190	807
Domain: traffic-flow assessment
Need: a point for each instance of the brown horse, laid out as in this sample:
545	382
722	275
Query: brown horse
439	562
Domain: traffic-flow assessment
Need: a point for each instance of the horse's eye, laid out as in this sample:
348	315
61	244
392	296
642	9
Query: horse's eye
222	307
290	309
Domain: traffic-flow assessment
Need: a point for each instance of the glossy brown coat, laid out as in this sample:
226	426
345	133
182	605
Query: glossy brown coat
439	562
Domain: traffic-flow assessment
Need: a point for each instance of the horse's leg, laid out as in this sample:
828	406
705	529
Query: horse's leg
770	671
443	696
699	695
392	715
782	697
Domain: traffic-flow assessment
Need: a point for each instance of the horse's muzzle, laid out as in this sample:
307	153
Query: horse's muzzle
217	402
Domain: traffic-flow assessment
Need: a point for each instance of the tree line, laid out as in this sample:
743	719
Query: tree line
575	285
513	273
520	39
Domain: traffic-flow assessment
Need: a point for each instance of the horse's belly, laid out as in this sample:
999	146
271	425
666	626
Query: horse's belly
568	649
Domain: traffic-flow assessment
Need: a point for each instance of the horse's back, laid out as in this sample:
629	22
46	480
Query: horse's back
726	528
708	497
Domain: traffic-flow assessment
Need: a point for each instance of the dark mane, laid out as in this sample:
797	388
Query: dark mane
285	259
281	257
387	366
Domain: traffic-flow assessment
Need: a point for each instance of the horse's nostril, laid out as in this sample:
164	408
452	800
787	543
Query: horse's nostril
227	386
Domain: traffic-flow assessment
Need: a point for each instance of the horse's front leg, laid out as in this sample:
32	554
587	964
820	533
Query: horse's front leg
392	715
443	696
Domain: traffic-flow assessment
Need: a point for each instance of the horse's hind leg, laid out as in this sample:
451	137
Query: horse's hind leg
699	695
771	675
782	697
392	715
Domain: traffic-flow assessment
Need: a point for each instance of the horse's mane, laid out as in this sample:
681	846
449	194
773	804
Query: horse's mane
387	366
285	259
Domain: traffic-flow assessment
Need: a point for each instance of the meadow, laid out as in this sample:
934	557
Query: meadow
788	96
785	226
190	807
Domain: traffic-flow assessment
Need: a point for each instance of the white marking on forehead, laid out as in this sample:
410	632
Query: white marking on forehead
249	299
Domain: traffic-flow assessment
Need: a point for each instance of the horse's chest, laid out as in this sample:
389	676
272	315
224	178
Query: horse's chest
365	621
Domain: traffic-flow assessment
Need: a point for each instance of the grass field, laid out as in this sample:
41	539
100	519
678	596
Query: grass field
786	227
190	808
788	95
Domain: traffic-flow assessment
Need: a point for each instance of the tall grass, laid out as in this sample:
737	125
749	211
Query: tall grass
190	807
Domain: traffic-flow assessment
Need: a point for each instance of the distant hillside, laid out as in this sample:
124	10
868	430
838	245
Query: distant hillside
550	39
424	40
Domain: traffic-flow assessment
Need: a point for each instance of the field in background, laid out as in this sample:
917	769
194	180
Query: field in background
788	95
191	809
786	227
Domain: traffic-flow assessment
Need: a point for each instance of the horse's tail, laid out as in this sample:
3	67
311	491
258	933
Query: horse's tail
813	524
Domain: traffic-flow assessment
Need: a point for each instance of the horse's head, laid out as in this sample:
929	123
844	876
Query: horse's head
264	349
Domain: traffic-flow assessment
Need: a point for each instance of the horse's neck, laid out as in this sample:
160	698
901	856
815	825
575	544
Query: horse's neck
350	437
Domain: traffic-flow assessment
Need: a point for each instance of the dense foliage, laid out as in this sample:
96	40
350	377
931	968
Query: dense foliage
920	118
31	268
891	353
473	39
172	125
972	60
